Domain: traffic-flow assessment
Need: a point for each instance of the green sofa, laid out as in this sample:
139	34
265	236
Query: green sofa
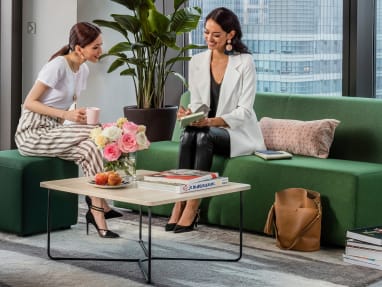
23	202
349	181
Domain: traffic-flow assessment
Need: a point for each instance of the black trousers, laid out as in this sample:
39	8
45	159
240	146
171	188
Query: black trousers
198	145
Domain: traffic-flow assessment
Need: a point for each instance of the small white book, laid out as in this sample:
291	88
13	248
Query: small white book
187	120
273	154
181	188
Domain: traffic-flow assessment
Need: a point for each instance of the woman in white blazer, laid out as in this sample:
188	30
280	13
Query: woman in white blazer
224	79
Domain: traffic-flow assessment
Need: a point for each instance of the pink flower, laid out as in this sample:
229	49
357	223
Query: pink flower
130	128
106	125
127	143
111	152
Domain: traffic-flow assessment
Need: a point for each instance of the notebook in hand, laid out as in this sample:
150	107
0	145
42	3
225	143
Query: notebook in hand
187	120
198	114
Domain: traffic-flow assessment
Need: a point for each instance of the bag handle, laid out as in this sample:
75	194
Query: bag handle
306	228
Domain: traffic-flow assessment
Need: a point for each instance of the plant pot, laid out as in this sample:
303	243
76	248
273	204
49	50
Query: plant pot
159	122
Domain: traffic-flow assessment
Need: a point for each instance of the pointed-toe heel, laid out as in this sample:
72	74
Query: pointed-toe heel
194	224
104	233
170	226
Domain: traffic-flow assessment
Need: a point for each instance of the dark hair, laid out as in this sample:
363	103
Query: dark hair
229	21
82	34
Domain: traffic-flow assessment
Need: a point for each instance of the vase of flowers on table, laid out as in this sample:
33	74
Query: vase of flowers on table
119	142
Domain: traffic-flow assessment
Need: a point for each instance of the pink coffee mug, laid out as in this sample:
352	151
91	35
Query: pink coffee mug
92	115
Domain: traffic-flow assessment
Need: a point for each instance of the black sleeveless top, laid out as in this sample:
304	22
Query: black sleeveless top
214	97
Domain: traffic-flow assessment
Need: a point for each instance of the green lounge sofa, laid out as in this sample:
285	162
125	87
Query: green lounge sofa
349	181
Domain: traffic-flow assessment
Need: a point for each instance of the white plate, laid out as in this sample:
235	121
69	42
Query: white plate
123	184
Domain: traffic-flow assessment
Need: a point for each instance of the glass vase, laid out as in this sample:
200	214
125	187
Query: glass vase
132	166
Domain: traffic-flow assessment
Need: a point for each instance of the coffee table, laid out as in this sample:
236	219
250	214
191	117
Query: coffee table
142	197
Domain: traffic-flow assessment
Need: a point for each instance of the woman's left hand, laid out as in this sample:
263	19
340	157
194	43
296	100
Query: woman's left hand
205	122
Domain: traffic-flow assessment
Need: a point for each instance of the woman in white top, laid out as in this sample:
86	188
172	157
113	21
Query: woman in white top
224	79
52	101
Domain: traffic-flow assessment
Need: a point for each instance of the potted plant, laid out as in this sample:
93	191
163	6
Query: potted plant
148	53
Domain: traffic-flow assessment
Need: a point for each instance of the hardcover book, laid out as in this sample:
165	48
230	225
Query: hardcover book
183	176
181	188
273	154
365	250
376	264
371	235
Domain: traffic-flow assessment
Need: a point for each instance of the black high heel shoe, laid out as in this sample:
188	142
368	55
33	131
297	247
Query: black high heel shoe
104	233
170	226
194	224
110	214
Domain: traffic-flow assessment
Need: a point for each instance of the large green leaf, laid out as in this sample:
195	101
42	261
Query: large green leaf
185	20
120	47
128	22
115	65
113	25
128	72
158	22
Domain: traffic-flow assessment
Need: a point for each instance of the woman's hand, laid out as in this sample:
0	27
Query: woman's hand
210	122
77	115
182	111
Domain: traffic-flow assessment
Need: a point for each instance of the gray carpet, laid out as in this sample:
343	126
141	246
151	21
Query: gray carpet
23	260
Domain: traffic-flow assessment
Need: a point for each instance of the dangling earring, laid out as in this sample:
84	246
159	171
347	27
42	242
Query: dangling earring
228	48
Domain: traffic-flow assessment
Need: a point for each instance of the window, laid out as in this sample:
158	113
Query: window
296	45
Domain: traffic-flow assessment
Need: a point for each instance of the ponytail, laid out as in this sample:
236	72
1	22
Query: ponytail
63	51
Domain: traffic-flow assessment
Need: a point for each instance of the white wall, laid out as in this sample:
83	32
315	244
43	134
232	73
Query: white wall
53	20
111	92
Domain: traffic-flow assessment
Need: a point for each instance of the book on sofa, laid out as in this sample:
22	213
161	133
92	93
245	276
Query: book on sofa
273	154
371	235
181	188
183	176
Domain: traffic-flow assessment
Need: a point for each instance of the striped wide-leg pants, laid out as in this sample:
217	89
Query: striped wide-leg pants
39	135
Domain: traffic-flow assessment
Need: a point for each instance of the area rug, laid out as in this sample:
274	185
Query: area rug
24	262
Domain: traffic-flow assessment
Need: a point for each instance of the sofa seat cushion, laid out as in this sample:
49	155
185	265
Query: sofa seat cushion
347	188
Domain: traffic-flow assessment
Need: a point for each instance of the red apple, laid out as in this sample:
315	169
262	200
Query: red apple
114	178
101	178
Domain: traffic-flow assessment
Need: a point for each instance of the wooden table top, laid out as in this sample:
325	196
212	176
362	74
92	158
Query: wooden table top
131	194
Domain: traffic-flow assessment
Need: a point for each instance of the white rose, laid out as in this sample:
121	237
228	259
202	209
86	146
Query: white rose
112	133
142	140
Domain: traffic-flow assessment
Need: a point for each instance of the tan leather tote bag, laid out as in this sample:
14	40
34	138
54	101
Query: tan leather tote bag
295	218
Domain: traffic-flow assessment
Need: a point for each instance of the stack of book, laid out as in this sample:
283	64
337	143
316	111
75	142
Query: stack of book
182	180
364	247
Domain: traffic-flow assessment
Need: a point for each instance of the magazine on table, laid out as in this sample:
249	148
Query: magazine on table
182	188
371	234
184	176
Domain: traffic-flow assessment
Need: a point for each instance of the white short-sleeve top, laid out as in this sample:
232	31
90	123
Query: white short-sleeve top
64	83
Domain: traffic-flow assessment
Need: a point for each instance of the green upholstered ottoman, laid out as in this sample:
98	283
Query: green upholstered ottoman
23	202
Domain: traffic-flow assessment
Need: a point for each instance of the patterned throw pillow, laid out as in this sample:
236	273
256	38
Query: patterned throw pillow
310	138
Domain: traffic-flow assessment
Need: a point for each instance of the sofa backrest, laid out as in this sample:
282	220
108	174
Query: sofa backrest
357	137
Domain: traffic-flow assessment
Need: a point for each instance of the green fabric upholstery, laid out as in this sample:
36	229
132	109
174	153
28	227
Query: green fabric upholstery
349	181
23	202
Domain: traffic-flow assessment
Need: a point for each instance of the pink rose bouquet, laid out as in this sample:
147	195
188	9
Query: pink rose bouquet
119	141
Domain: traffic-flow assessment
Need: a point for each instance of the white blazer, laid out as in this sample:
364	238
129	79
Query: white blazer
236	99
